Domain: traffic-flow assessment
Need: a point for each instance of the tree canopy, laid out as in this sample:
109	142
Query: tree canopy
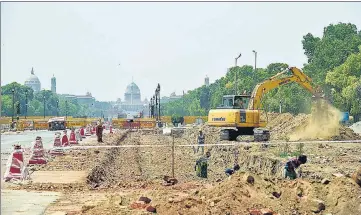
54	103
333	63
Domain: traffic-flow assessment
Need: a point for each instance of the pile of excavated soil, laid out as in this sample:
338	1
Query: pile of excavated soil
308	127
237	196
282	125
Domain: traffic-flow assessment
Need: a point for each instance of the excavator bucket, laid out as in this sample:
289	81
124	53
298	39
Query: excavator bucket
318	94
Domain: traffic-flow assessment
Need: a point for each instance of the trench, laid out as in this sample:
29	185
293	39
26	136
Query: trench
101	174
262	165
252	162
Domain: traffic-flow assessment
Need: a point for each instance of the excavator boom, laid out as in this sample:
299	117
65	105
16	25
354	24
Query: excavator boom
262	88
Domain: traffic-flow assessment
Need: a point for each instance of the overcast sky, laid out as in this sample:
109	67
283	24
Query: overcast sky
99	47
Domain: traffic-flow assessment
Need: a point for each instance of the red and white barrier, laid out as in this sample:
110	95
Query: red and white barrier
15	168
82	133
37	152
93	130
88	131
57	148
65	140
111	129
72	139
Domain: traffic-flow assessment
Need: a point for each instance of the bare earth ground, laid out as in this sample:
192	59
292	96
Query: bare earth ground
109	180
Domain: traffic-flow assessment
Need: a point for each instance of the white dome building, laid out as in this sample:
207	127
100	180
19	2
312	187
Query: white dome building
132	102
33	82
132	94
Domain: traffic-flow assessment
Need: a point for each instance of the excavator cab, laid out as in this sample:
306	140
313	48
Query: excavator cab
235	102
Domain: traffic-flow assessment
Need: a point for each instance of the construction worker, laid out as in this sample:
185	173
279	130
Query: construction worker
230	171
201	166
292	165
200	142
99	132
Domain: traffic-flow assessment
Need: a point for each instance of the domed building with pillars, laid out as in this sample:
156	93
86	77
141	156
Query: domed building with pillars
33	82
132	100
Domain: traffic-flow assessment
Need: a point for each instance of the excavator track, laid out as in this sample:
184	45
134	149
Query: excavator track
260	135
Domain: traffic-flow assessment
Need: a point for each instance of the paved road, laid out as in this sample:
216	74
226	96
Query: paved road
25	138
21	202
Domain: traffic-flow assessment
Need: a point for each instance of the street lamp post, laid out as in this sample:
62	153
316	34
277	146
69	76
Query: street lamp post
158	89
66	109
26	103
150	108
57	108
183	104
12	117
44	105
255	60
153	102
235	87
156	104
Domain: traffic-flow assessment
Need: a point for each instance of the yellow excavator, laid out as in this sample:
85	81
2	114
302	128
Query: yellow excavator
241	114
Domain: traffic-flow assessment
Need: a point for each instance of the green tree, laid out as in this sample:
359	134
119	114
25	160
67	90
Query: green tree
345	81
330	51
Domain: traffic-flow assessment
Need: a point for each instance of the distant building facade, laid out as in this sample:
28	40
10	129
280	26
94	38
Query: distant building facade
33	82
172	97
86	99
53	84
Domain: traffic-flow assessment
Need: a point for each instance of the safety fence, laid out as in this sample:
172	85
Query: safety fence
22	125
136	124
37	123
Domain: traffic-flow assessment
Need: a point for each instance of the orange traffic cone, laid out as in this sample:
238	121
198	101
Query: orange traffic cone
72	139
64	140
38	154
57	148
15	166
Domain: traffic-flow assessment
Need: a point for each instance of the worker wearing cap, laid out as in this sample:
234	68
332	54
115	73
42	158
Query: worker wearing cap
200	141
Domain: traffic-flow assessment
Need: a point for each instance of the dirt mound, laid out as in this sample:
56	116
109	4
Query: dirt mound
282	125
321	124
236	196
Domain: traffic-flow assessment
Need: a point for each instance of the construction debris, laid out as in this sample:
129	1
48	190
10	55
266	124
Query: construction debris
132	179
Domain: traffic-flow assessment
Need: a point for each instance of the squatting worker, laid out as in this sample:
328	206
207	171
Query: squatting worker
200	141
201	166
291	166
230	171
99	132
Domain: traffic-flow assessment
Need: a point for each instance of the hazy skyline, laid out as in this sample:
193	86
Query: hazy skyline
99	47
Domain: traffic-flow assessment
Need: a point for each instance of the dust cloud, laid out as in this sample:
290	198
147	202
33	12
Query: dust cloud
322	124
